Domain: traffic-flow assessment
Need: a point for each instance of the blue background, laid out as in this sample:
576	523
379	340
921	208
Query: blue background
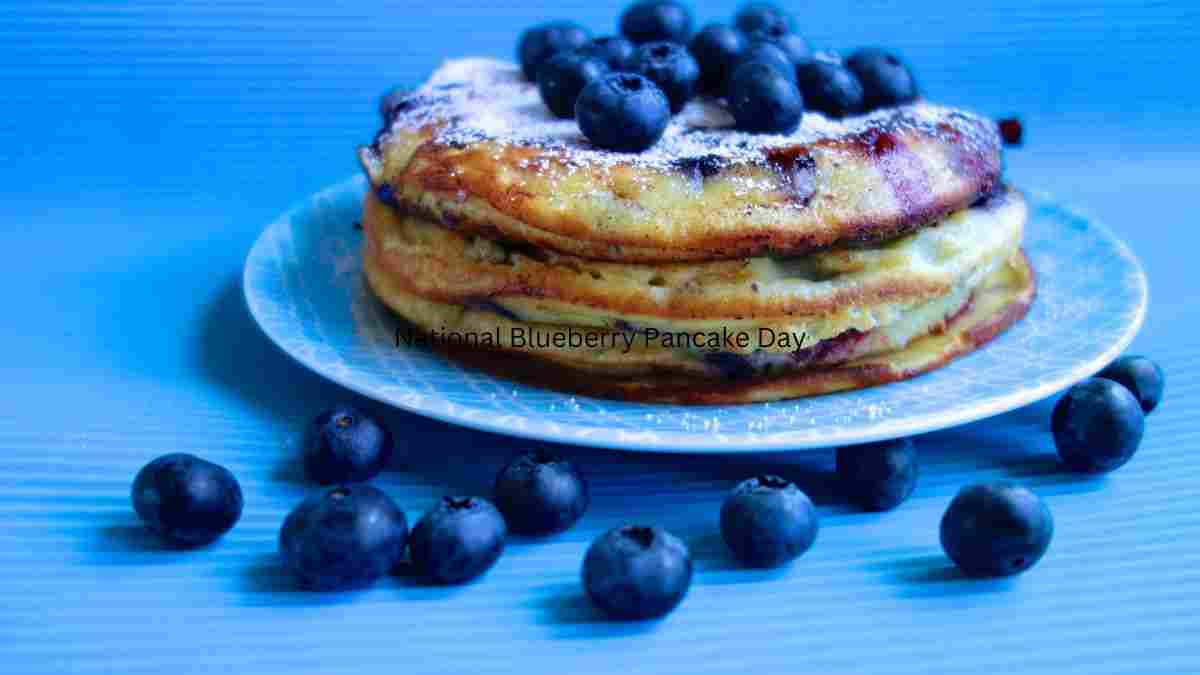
142	148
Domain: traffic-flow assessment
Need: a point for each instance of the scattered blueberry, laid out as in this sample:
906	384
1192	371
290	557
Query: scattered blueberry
1011	131
346	537
187	500
623	112
540	43
458	539
345	445
793	46
767	521
1097	426
657	20
390	101
562	78
996	529
715	49
762	16
635	572
886	81
766	53
830	88
878	476
672	68
616	52
763	101
1141	376
540	493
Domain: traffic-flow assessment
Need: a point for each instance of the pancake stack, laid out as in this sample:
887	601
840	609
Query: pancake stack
715	267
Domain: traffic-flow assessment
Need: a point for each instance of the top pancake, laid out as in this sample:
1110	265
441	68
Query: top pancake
474	148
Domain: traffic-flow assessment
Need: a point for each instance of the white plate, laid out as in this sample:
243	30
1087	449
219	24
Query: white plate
304	286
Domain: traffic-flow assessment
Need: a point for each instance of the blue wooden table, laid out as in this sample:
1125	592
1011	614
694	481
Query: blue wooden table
144	145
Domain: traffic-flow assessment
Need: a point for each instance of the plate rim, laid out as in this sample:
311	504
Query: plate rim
710	442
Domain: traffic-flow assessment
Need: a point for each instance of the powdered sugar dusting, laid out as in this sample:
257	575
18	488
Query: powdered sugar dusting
479	99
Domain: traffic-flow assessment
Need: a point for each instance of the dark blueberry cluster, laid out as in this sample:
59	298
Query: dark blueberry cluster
351	534
766	72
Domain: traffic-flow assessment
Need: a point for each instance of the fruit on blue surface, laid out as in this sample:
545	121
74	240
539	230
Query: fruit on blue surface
1141	376
457	540
878	476
1097	426
656	20
562	78
615	51
343	538
538	44
792	45
767	521
540	493
672	68
345	445
763	101
885	79
624	112
830	88
637	572
996	529
716	47
762	16
766	53
187	500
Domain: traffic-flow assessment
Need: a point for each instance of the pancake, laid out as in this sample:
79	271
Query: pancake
475	149
821	295
650	372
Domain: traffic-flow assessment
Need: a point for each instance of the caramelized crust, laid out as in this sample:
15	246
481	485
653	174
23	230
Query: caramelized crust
866	180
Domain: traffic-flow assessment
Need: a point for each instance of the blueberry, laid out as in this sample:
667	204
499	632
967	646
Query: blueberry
766	53
878	476
1097	426
715	49
763	101
345	445
635	572
672	68
794	47
390	102
762	16
187	500
657	20
830	88
997	529
767	521
540	493
562	78
886	81
540	43
616	52
1141	376
458	539
623	112
343	538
